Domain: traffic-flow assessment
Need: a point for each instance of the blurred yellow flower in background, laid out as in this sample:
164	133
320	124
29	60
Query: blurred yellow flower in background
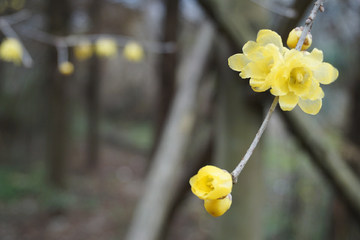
11	51
133	51
66	68
218	207
84	50
106	47
211	183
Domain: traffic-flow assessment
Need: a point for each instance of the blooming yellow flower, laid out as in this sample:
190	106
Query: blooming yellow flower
66	68
211	183
297	81
106	47
11	51
294	37
292	75
217	207
258	59
84	50
133	51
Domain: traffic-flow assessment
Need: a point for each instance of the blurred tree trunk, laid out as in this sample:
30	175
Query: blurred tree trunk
93	95
237	122
168	65
162	181
58	13
342	223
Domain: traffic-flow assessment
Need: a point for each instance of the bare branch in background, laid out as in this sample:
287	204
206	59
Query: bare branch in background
278	9
164	174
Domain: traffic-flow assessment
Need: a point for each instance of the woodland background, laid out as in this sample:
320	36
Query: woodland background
79	153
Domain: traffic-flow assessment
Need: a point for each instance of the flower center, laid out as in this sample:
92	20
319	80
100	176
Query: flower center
298	75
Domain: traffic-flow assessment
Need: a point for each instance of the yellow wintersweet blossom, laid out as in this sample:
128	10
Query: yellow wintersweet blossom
294	37
133	51
106	47
297	81
84	50
258	59
66	68
292	75
211	183
11	51
218	207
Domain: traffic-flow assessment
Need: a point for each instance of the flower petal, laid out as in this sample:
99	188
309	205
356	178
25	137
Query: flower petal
326	73
288	102
252	70
266	36
259	85
315	91
238	61
314	59
250	48
309	106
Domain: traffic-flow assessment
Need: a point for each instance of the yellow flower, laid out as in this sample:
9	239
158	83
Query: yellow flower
297	81
258	59
133	51
84	50
106	47
211	183
66	68
11	51
294	37
217	207
292	75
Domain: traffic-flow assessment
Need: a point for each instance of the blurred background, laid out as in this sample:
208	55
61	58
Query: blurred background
106	149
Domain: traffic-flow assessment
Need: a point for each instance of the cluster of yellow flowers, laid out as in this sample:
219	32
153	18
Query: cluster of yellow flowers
104	47
294	76
107	47
213	185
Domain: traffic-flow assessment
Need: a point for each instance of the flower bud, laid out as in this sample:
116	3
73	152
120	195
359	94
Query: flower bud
66	68
211	183
294	37
106	47
11	51
84	50
218	207
133	52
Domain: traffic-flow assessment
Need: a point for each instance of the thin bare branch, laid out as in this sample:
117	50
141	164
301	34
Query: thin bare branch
309	22
278	9
235	174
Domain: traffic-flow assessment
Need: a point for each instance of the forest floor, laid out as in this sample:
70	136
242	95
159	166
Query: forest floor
97	205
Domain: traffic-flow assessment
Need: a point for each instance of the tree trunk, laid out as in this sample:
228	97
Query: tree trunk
163	178
58	13
168	65
237	122
93	95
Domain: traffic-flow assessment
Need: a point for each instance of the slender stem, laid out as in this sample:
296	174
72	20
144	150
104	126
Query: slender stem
62	50
241	165
309	22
